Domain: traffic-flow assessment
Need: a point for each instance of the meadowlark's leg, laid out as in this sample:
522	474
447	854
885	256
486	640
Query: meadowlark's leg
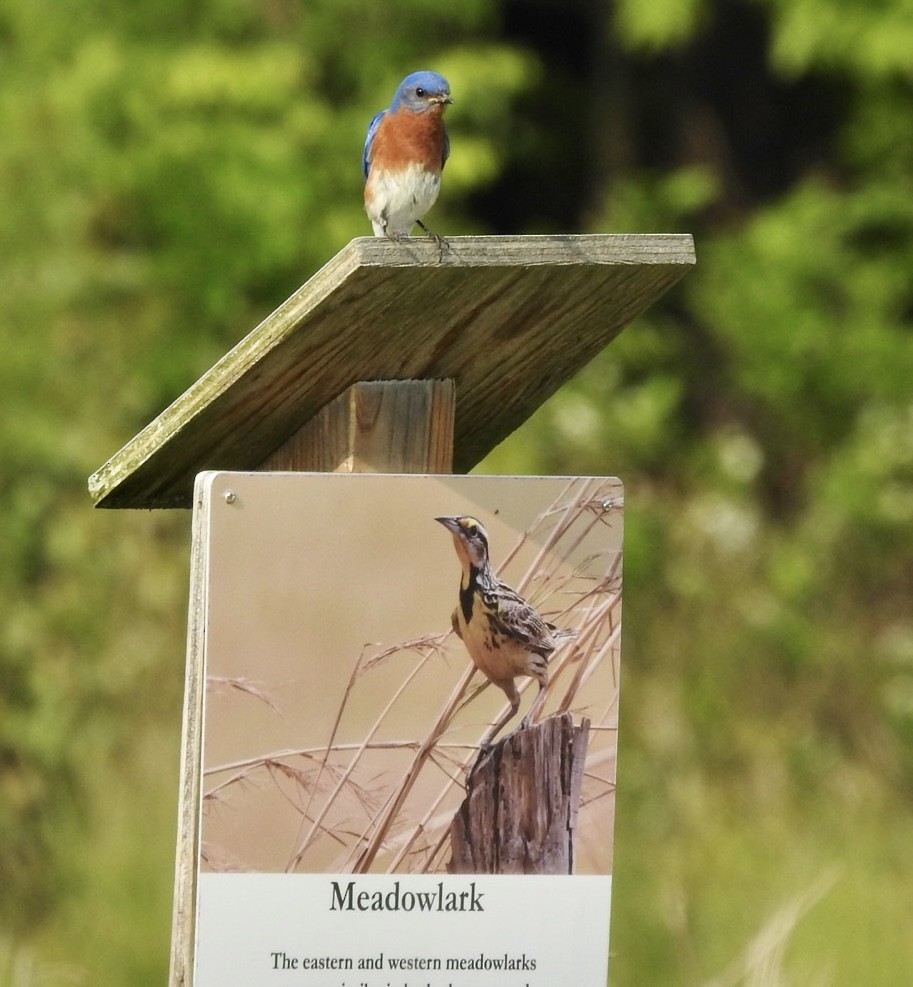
531	712
510	690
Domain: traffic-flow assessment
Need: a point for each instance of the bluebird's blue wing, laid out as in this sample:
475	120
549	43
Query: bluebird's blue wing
369	140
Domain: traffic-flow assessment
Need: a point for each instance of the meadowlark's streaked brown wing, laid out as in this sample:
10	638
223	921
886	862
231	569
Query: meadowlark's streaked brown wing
523	623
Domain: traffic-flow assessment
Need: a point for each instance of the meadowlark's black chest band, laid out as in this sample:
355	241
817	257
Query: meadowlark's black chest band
467	593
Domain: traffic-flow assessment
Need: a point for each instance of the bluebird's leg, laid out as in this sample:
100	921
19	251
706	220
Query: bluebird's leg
395	235
438	239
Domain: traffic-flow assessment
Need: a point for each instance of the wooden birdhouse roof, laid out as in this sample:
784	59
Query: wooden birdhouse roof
508	319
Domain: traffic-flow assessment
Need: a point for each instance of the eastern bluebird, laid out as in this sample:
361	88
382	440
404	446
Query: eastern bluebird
405	151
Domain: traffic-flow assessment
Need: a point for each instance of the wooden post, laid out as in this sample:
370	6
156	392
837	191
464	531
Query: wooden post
392	426
520	811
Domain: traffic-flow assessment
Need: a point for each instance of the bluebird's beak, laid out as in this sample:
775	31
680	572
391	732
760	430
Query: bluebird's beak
444	99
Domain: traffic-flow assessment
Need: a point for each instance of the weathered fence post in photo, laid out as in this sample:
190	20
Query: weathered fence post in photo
520	811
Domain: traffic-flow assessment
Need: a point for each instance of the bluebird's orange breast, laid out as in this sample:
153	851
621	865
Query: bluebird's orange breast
404	138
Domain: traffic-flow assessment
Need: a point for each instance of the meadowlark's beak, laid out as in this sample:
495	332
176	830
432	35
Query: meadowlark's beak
450	523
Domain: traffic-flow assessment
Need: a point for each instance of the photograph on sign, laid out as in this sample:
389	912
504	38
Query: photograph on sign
340	724
342	712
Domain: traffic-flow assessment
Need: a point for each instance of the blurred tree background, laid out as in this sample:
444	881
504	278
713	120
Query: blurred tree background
170	172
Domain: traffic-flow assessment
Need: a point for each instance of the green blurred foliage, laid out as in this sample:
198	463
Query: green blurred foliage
170	172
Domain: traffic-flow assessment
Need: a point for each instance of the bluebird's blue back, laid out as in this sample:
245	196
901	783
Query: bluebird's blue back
405	150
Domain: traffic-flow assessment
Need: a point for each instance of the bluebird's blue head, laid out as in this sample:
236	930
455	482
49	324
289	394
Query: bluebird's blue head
420	91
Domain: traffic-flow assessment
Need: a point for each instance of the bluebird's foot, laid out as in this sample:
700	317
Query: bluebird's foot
438	239
397	236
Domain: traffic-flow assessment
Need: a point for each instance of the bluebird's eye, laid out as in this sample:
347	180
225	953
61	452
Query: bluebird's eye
420	92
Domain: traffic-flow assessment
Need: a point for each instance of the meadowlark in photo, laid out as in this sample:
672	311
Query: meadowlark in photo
504	635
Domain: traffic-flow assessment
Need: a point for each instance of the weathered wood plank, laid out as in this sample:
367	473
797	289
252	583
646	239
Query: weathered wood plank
509	319
183	926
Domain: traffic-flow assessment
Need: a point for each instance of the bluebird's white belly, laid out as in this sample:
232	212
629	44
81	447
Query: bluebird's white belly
396	200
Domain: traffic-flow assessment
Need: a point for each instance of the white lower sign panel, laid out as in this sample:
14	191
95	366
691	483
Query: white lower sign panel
306	930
